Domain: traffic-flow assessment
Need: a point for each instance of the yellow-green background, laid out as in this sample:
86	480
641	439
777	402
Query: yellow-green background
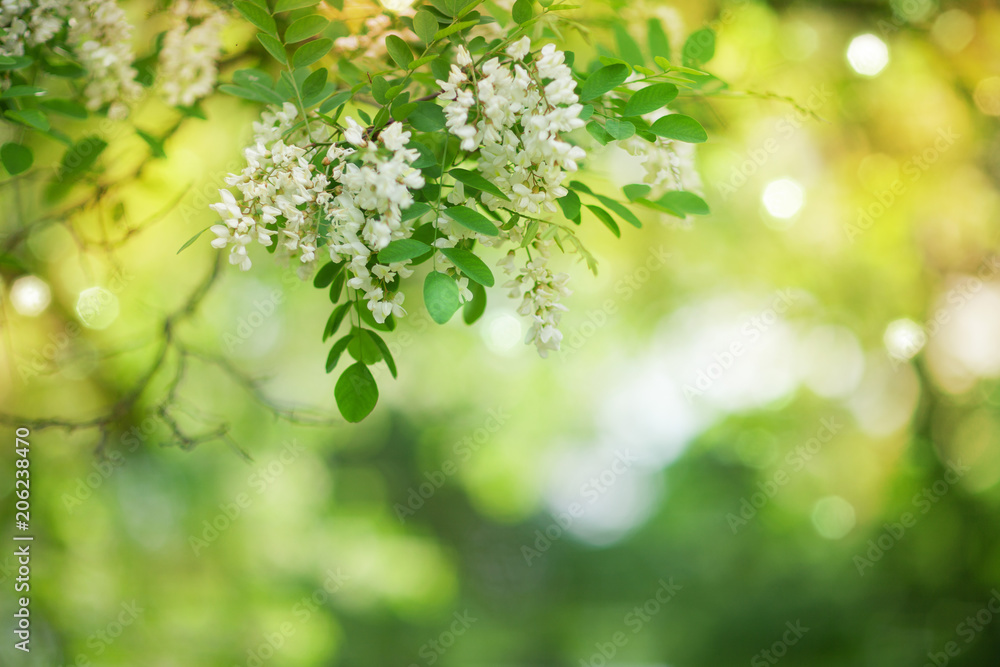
329	507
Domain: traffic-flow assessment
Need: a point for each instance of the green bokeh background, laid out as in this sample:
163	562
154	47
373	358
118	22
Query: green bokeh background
511	440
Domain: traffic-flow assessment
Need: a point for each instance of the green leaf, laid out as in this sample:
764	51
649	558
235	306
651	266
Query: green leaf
470	265
16	158
473	310
401	250
335	101
659	45
336	319
474	180
191	240
22	91
650	99
472	219
603	80
699	48
570	205
257	16
326	274
597	131
623	212
310	52
398	51
64	107
304	28
427	117
314	84
441	296
363	348
415	210
81	156
292	5
627	48
681	128
636	191
425	25
606	218
336	351
522	11
30	117
452	29
384	350
337	286
10	63
155	145
685	202
274	47
356	393
619	129
419	62
379	88
400	112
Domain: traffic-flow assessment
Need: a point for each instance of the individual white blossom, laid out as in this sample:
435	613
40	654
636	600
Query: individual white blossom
191	48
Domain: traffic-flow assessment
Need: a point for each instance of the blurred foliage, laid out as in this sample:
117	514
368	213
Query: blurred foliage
443	530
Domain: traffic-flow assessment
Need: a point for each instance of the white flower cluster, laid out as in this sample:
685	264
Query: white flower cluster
366	213
29	22
509	112
540	291
190	52
377	28
102	37
513	112
99	36
355	212
669	164
276	182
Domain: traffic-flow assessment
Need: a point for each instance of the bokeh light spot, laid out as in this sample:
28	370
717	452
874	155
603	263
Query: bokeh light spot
97	308
867	54
953	30
833	517
987	96
783	198
904	338
502	333
30	295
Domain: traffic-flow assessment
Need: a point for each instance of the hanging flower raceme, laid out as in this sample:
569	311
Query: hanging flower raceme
348	206
475	157
190	53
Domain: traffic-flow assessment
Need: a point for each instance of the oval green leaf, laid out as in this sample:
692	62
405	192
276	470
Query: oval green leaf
603	80
680	128
304	28
310	52
471	266
472	219
398	51
356	393
441	296
257	16
402	250
474	180
650	99
16	158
